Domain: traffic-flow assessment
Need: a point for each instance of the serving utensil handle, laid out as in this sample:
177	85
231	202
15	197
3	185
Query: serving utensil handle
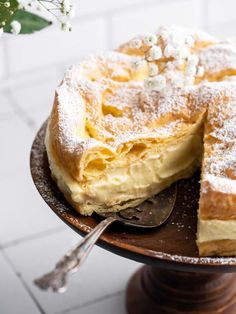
57	279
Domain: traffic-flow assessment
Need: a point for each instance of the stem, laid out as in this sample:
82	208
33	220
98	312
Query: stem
47	9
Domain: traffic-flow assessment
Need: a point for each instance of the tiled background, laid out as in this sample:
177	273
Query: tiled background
31	237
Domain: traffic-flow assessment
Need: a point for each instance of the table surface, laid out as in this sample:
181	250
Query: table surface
171	246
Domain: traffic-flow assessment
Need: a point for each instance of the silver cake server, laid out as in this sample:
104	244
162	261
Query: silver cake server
150	214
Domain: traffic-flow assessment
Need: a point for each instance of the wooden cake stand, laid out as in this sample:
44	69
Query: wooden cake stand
175	279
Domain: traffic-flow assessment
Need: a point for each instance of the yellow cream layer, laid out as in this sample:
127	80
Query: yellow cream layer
120	188
145	176
215	229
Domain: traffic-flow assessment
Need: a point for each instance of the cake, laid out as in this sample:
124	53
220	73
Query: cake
217	205
128	123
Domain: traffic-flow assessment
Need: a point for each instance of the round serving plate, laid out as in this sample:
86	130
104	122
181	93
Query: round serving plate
171	246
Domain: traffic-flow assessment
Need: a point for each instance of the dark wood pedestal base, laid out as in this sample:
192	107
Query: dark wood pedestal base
156	291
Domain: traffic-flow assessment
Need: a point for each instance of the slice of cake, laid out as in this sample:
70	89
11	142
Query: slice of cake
217	207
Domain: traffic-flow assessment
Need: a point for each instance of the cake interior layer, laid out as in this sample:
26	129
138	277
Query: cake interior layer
120	186
216	229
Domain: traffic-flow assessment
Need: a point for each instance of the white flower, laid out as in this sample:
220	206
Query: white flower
170	66
193	60
178	63
15	27
153	69
66	27
157	82
184	52
191	70
200	71
154	53
1	31
150	39
22	6
136	63
136	43
189	40
176	40
174	78
150	83
71	14
7	4
170	51
66	6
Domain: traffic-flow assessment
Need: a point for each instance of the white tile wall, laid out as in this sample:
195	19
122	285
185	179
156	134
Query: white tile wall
13	296
51	46
31	236
147	19
2	60
6	108
15	142
36	98
94	7
23	211
106	23
112	305
221	11
103	273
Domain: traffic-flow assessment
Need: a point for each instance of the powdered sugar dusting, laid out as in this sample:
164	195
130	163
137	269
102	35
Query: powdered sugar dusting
221	184
218	58
103	101
220	137
111	111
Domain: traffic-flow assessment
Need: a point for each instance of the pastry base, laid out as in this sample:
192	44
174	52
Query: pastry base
217	248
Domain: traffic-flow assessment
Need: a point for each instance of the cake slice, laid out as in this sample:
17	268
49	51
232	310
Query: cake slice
217	206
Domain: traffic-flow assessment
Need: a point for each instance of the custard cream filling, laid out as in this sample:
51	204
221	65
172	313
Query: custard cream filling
144	177
215	229
141	179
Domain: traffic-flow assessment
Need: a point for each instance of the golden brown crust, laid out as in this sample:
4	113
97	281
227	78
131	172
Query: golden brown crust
217	247
67	158
107	121
218	187
215	204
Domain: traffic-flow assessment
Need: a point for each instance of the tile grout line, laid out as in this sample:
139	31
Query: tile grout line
6	58
31	237
102	14
19	75
5	93
16	80
38	305
123	9
221	25
27	289
92	302
109	31
205	13
21	113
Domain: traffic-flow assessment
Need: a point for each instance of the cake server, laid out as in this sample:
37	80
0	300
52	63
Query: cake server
150	214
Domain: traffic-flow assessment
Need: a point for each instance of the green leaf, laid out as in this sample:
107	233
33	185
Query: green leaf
7	11
30	22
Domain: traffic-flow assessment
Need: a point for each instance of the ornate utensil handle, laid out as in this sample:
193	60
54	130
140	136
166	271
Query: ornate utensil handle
58	278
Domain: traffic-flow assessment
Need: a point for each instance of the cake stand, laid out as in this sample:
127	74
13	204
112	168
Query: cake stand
175	279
